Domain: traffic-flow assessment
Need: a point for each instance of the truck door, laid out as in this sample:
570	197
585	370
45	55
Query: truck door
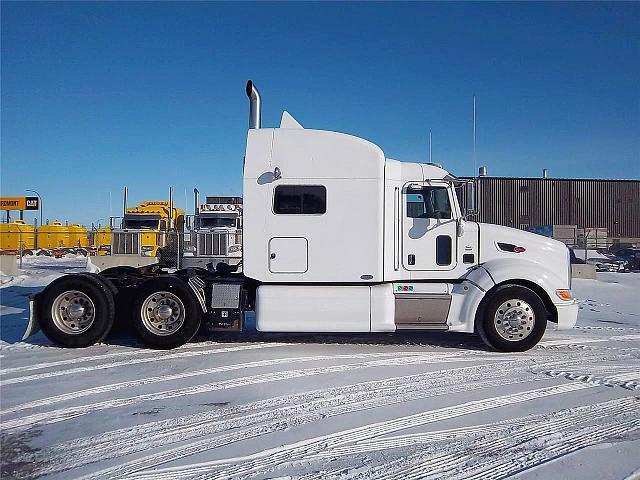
288	255
429	240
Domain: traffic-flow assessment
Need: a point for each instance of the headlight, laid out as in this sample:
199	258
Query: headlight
235	248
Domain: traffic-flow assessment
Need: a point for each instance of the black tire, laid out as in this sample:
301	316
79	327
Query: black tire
486	318
192	315
120	270
27	252
107	283
104	310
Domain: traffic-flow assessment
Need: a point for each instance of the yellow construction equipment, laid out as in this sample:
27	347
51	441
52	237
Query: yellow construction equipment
15	233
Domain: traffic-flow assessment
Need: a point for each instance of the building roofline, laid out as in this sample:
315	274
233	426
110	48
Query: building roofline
557	178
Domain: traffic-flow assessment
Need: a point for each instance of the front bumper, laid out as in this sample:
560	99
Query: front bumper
567	314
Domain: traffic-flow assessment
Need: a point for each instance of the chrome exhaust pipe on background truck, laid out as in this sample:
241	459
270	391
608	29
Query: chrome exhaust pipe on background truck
171	222
196	202
255	105
124	202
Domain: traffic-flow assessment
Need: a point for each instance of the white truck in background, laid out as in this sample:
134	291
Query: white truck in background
404	258
216	236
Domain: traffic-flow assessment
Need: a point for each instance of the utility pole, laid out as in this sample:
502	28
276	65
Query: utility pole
430	140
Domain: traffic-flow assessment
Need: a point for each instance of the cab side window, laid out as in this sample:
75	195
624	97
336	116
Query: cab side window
428	202
300	200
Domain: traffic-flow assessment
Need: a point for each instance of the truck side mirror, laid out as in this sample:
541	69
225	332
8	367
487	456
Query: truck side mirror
471	198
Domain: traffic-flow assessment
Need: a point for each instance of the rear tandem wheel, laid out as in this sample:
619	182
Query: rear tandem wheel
76	310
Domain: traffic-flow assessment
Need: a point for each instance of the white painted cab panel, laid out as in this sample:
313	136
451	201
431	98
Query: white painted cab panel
383	308
345	244
313	308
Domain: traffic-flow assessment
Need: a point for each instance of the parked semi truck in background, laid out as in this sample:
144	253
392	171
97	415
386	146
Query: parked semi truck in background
216	236
145	226
404	257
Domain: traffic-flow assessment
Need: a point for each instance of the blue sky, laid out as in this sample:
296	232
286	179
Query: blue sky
100	95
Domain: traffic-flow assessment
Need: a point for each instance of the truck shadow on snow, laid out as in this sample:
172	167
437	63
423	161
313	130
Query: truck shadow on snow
417	337
123	335
14	315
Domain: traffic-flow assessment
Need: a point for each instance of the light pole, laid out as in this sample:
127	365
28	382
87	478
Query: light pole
39	201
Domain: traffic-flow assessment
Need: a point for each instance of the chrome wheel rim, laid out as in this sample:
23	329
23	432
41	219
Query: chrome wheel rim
514	320
162	313
73	312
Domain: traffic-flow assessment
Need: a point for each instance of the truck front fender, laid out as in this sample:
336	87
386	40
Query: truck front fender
467	296
518	270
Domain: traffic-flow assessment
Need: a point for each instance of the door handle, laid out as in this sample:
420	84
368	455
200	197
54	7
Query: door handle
411	260
272	256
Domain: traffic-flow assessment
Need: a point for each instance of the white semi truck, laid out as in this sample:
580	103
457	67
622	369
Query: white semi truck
404	258
216	236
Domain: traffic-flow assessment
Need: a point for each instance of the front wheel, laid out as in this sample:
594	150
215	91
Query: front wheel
512	319
166	314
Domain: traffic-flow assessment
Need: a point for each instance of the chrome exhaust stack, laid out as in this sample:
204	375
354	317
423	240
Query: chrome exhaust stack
124	205
171	223
255	105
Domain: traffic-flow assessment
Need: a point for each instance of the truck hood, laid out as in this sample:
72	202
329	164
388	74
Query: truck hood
496	241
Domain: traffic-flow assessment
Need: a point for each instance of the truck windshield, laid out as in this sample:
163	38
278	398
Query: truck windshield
213	222
429	202
151	222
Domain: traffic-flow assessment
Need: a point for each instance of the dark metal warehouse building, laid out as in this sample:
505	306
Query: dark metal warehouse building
530	202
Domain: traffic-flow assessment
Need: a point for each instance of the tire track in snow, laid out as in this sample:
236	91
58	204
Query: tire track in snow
75	411
268	459
474	373
124	363
129	353
124	441
571	342
625	337
456	466
337	401
618	329
195	373
566	417
554	448
435	464
465	458
627	380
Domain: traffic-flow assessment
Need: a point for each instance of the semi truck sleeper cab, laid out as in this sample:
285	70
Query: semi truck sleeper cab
403	258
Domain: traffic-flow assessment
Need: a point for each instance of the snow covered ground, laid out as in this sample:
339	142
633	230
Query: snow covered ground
425	405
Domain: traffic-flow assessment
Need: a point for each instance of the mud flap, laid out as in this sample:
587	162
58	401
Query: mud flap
91	267
33	327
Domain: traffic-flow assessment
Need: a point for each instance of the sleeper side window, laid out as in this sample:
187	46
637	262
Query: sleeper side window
428	202
300	200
